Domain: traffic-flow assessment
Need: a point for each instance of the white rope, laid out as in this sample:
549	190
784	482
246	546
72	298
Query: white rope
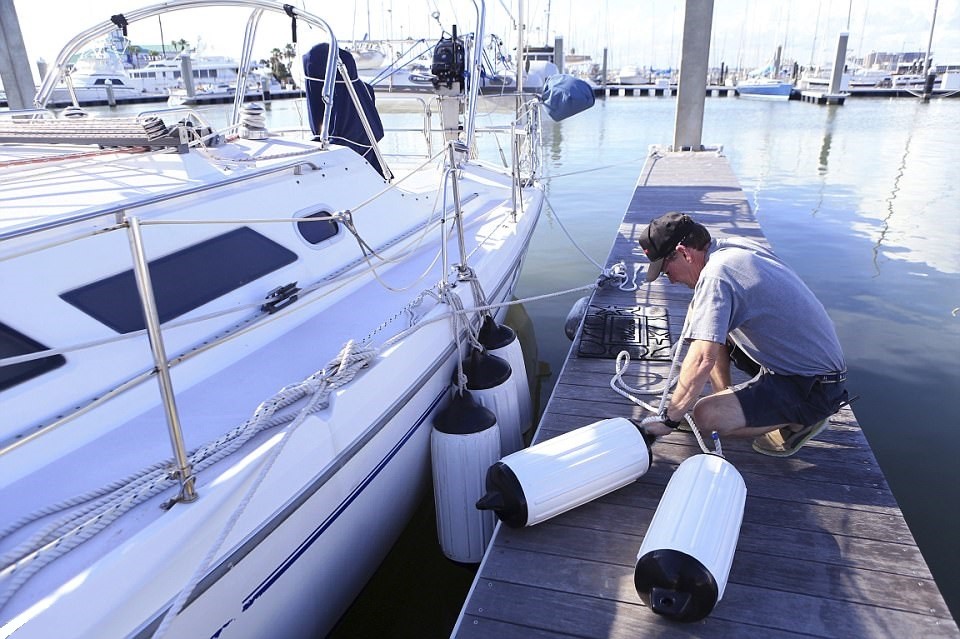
461	323
625	390
338	372
489	307
659	412
469	276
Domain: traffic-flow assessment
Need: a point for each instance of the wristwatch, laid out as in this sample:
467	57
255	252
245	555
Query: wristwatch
669	423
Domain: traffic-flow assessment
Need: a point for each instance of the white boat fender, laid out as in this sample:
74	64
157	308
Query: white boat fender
564	472
502	341
464	441
489	381
575	317
685	558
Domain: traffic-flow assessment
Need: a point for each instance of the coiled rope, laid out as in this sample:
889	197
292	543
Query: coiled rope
659	412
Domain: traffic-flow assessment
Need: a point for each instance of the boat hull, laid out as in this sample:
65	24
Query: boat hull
765	91
323	553
338	494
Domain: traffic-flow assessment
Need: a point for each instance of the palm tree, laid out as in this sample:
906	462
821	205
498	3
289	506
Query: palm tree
277	67
289	53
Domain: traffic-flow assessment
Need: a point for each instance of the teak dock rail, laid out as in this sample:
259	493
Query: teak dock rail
823	551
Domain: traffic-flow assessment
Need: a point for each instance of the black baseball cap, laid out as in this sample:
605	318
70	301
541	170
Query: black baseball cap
661	237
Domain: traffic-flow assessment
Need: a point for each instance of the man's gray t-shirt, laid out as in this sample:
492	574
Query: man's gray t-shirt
747	293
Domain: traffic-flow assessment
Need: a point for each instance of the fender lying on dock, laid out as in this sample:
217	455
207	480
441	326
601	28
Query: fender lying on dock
559	474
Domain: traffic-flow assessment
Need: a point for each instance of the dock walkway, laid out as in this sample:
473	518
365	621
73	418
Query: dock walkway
823	551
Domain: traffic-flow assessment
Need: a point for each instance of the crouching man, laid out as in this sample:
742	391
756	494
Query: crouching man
750	306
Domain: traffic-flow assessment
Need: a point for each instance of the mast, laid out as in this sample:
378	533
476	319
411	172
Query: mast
546	37
521	61
926	62
369	28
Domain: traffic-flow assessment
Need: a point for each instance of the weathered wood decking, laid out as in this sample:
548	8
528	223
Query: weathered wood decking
823	551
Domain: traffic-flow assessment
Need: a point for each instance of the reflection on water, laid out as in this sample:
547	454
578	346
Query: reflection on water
555	143
827	138
825	156
885	224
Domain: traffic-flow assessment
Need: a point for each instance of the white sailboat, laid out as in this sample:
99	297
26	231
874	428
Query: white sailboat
228	345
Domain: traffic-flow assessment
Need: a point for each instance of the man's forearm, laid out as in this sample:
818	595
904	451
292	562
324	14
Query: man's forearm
698	367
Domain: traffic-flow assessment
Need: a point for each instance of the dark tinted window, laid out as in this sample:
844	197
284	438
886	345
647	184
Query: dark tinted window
316	232
14	343
184	280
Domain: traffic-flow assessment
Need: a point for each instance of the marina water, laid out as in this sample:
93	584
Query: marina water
860	199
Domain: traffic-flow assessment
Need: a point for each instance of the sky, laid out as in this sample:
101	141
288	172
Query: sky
746	33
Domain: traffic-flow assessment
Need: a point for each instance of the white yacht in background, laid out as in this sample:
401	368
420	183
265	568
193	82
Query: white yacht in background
858	78
631	74
368	54
407	67
98	75
162	76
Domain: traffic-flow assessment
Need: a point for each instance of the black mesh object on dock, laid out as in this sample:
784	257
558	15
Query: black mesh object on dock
642	332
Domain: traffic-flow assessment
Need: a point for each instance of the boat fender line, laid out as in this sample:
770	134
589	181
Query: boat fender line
561	473
464	442
490	380
684	561
659	412
444	297
86	515
502	341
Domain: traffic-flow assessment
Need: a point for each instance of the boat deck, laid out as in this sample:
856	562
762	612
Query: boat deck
823	551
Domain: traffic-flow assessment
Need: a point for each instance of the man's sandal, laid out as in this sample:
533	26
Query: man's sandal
784	442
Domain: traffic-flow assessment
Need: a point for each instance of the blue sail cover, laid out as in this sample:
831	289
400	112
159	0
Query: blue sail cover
564	95
346	127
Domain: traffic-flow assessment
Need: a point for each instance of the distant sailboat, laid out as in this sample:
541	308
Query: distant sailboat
367	53
766	83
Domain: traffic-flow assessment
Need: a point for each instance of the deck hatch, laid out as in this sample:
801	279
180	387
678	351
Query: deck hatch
14	343
184	280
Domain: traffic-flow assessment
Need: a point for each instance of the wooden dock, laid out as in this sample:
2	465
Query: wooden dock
823	551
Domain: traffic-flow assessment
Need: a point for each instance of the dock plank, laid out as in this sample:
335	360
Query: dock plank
824	550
